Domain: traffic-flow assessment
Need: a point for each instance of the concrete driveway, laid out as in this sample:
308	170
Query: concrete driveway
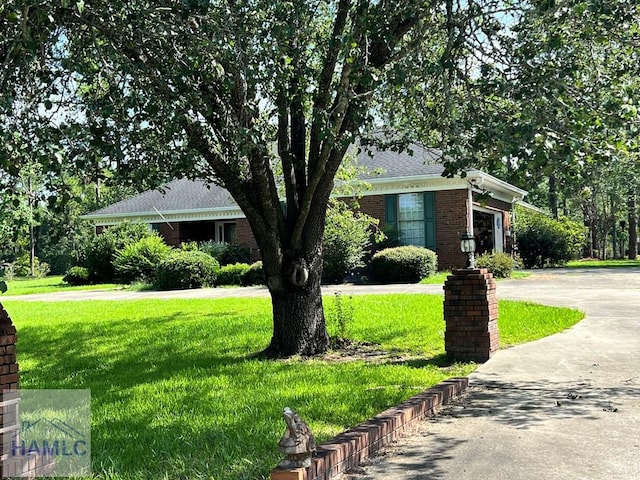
564	407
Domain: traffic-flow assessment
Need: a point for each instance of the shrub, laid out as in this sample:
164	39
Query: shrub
186	269
254	276
8	271
191	246
22	267
543	241
403	264
3	284
139	261
500	264
346	240
77	276
232	274
341	315
226	253
101	252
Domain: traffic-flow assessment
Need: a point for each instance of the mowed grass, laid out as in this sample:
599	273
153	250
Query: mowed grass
177	394
440	277
589	263
52	284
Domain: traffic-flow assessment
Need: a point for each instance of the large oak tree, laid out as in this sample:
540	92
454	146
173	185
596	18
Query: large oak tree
261	97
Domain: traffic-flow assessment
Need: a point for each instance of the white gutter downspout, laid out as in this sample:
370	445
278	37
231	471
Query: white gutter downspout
470	185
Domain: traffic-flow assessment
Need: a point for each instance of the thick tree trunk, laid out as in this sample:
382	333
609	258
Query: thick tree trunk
293	279
298	321
633	225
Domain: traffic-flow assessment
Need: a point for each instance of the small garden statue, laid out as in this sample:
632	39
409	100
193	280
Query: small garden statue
297	442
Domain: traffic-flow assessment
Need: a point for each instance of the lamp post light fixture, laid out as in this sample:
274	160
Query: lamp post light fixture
468	246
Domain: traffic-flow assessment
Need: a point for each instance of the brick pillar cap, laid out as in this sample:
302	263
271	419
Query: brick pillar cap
470	271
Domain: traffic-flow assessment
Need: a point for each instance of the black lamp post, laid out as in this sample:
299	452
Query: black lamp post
468	246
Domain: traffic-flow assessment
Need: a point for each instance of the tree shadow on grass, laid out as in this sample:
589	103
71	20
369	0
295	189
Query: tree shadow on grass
156	350
180	399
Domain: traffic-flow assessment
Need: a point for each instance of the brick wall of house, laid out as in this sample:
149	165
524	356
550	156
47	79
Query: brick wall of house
373	205
171	235
245	238
451	223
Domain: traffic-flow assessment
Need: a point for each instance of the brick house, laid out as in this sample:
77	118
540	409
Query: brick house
408	194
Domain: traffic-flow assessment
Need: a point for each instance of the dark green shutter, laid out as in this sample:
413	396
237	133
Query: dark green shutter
430	220
391	210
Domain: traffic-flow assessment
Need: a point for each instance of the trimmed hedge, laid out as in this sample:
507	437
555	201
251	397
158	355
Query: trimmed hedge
77	276
232	274
500	264
403	264
254	276
226	253
187	269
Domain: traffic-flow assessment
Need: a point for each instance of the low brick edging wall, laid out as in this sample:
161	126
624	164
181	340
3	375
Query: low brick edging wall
352	447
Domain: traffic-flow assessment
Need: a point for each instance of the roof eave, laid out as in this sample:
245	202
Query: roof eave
485	181
161	216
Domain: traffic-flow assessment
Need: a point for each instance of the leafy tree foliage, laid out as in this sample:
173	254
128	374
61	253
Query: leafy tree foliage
552	105
208	88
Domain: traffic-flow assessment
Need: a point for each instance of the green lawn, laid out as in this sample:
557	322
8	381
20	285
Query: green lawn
177	394
52	284
603	263
440	277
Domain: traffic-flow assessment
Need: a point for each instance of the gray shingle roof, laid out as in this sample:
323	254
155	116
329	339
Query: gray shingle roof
416	160
185	195
180	194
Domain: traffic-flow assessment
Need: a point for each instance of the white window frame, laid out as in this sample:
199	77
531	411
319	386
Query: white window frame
220	228
399	221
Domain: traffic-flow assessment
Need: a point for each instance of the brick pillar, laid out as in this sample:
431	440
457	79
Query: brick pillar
8	363
8	399
471	315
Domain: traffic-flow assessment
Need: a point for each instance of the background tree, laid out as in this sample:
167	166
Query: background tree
554	109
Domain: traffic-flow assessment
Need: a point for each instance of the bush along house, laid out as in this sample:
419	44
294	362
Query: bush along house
408	194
